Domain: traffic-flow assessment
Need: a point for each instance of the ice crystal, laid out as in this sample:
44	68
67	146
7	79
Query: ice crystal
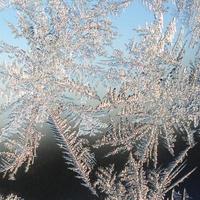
62	38
134	182
11	197
153	91
162	88
75	154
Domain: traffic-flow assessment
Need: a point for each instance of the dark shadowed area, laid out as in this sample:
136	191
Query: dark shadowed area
49	178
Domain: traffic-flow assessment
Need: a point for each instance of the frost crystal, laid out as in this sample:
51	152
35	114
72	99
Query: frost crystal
153	91
62	40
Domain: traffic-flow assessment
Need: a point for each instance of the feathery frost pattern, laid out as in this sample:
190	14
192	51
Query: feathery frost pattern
62	39
10	197
135	183
152	92
76	155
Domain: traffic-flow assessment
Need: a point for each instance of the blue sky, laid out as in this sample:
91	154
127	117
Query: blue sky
132	17
136	14
9	15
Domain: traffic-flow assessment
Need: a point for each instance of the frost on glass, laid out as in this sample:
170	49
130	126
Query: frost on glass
159	90
153	91
134	183
62	40
10	197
